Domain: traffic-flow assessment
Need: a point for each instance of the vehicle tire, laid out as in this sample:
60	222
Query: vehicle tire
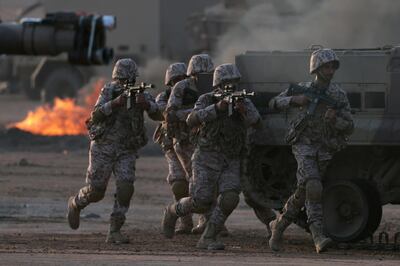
270	177
62	83
375	207
351	213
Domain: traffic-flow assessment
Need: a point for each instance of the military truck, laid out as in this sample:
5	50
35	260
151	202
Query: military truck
362	177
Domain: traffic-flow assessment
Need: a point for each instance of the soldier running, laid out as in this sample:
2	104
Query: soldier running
181	101
316	133
216	159
177	177
116	135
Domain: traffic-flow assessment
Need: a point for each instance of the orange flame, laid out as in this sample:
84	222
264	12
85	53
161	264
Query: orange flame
64	117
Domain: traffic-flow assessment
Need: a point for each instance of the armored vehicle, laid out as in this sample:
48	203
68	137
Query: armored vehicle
362	177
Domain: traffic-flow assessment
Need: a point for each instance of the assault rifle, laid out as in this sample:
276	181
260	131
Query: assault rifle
231	96
131	91
316	96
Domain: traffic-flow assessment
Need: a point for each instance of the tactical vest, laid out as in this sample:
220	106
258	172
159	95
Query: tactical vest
225	134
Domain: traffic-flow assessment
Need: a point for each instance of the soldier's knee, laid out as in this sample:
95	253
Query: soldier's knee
95	194
228	201
125	190
314	190
202	205
180	189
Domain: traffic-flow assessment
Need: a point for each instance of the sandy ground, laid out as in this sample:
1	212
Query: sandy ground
34	188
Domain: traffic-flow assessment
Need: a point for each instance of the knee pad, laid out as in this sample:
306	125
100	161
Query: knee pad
180	188
94	194
228	201
314	190
124	193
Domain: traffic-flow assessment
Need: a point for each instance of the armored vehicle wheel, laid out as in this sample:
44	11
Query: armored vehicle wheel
375	207
270	177
352	210
62	83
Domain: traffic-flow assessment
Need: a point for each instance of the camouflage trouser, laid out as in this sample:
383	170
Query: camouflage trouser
175	169
105	159
179	162
212	171
312	162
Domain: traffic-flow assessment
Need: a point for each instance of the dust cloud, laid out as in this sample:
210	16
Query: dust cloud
297	24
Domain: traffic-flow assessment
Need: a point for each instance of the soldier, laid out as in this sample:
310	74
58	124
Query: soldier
216	159
177	177
116	135
181	101
314	139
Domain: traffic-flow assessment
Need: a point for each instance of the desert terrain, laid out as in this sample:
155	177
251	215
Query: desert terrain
38	174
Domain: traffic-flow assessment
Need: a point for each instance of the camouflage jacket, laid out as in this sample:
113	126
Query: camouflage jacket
161	135
119	126
181	101
220	132
316	129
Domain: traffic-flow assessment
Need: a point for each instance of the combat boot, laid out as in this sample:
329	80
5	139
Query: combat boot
114	235
73	214
277	226
169	221
201	226
185	225
224	232
208	239
269	231
321	242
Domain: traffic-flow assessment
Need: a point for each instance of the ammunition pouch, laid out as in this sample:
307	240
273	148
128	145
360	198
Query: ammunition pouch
95	131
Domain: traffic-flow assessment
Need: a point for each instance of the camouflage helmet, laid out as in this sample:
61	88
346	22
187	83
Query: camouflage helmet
200	63
225	72
125	68
322	56
173	71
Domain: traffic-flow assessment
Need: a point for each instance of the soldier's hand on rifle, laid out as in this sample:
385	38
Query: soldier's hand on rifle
119	101
222	106
330	115
141	101
240	106
300	100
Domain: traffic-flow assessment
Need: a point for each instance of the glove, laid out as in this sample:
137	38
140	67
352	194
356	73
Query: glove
222	106
300	100
141	102
119	101
330	116
240	106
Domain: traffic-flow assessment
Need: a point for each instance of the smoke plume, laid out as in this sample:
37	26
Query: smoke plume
297	24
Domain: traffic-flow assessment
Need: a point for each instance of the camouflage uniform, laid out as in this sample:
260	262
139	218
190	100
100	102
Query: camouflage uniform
116	136
316	144
176	170
181	101
178	177
216	161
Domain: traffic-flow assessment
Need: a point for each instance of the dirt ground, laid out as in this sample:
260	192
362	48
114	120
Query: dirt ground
35	185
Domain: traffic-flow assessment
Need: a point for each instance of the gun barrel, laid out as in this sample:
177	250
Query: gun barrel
82	37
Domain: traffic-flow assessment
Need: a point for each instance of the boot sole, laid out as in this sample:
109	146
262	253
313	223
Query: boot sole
73	221
325	245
